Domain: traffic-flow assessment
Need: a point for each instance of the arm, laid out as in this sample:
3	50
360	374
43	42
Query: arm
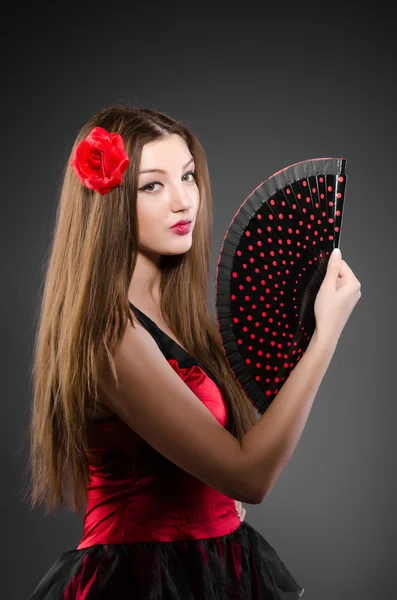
272	440
154	401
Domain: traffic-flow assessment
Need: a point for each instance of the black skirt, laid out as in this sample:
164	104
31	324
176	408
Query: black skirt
239	566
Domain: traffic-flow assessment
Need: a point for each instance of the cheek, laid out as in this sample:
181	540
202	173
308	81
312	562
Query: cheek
149	220
145	214
195	197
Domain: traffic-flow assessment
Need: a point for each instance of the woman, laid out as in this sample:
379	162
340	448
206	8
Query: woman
137	418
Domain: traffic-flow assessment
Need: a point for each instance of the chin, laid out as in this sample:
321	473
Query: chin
179	247
176	253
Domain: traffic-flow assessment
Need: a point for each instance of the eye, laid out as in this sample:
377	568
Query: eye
193	173
153	183
148	185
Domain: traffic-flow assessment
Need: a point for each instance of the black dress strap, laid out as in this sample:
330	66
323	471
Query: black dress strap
167	345
145	320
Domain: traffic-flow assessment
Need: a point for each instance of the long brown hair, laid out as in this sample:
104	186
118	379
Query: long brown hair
84	307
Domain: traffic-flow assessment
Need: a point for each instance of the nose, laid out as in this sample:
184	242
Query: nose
181	200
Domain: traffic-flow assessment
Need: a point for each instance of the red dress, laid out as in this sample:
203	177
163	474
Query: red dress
152	531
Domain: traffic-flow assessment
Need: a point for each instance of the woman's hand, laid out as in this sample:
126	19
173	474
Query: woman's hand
338	294
240	510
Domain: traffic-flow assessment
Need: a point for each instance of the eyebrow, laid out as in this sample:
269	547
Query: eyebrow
161	170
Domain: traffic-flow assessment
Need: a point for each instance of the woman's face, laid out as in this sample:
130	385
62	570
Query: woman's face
166	197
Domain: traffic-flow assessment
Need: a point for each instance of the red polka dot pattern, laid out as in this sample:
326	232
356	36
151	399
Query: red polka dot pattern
271	265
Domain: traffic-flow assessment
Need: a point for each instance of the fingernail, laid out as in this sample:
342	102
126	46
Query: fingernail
335	253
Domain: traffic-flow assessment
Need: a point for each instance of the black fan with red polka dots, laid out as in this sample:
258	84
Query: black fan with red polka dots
272	262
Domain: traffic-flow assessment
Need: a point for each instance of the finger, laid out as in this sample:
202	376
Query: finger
345	270
333	266
346	275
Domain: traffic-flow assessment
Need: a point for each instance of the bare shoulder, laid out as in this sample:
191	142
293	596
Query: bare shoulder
158	405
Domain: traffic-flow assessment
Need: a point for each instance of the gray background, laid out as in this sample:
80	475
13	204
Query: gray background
262	87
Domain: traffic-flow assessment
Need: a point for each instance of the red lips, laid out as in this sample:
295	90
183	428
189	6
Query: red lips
182	222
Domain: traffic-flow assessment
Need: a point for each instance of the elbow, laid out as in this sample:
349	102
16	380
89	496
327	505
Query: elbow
247	495
258	498
260	495
247	488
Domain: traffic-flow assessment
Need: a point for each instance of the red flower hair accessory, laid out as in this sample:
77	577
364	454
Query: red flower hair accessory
100	160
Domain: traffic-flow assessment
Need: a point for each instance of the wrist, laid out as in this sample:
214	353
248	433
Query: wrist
325	339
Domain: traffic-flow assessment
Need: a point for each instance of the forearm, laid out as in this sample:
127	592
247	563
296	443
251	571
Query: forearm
269	444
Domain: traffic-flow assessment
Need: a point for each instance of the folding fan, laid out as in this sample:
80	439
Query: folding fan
272	262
